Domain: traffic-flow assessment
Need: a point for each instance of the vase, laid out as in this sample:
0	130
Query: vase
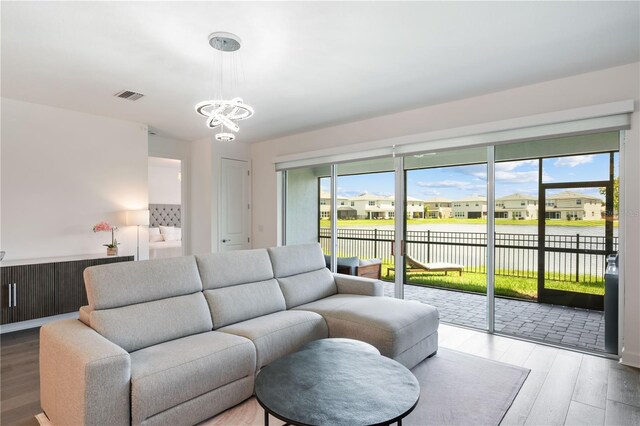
112	251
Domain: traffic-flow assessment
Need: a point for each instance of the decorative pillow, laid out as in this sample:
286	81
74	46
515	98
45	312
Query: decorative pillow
166	229
174	235
154	235
370	262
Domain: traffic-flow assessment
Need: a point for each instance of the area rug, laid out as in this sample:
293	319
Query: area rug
462	389
456	389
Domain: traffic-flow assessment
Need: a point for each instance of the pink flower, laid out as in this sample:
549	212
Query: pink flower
102	227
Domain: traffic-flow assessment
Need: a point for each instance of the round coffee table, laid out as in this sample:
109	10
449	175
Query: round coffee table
337	382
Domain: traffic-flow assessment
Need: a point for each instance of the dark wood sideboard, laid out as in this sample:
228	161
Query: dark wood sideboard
36	290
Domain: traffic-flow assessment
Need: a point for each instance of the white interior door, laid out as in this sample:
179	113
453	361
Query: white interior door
234	205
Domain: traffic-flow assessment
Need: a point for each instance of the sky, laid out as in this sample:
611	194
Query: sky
465	181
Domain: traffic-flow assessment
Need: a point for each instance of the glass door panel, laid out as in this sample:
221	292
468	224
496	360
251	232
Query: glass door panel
446	234
554	214
573	258
366	219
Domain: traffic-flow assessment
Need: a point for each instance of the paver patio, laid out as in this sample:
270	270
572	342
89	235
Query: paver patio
555	324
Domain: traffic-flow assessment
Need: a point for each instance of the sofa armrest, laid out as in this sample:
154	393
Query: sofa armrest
84	378
348	284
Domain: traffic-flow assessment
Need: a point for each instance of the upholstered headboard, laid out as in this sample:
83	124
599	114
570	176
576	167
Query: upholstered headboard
165	215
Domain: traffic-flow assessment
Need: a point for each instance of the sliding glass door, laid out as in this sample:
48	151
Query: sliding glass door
511	238
446	234
556	223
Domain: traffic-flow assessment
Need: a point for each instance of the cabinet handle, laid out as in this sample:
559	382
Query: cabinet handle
15	298
10	302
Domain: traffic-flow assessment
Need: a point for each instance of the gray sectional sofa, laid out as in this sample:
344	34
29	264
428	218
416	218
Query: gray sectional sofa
177	341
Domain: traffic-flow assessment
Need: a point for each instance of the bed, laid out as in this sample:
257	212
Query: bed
165	231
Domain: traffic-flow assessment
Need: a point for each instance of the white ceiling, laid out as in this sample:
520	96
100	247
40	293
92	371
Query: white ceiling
307	65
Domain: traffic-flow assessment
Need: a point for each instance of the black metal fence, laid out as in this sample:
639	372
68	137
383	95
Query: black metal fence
575	258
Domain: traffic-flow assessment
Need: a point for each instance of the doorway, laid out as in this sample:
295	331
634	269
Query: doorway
165	208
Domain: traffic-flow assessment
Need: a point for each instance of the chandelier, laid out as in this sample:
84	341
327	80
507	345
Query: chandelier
220	113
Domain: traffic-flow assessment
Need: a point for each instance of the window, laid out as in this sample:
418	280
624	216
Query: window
372	203
522	203
323	202
325	215
393	203
392	215
477	204
353	204
342	203
578	202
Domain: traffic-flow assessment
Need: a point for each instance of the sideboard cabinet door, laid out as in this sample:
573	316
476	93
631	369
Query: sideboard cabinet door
34	295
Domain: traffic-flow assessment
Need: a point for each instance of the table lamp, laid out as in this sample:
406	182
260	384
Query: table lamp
138	218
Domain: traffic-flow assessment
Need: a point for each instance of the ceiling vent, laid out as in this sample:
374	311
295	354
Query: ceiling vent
129	95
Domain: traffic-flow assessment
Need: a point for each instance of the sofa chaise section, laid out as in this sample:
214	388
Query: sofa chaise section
245	300
401	330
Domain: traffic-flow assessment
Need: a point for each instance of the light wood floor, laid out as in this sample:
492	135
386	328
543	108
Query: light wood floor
563	388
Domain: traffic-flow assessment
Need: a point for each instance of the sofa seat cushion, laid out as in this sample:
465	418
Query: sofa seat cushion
171	373
391	325
280	333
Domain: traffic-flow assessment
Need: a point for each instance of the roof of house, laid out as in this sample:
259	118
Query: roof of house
518	196
438	200
325	194
474	198
568	195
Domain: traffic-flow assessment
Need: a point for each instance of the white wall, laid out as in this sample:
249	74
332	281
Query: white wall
64	171
206	155
164	184
614	84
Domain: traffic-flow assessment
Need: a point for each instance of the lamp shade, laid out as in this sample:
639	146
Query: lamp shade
138	217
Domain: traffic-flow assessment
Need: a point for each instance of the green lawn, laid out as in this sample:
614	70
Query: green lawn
521	288
326	223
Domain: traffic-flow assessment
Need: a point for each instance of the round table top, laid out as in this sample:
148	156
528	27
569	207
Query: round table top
337	382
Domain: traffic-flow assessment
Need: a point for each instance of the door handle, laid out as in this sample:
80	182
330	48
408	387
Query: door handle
10	302
15	297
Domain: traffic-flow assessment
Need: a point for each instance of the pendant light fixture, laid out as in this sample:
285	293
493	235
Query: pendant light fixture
221	113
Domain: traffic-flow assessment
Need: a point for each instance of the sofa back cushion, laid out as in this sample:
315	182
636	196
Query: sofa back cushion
302	273
146	324
140	304
225	269
128	283
239	286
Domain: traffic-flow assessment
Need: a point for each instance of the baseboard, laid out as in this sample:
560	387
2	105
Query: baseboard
39	322
631	359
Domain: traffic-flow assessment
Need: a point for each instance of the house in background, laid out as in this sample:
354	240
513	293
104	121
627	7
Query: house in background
414	207
470	208
517	206
438	208
344	211
570	205
370	206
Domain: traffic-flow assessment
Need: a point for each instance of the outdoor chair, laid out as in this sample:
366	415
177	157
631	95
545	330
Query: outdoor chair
413	266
